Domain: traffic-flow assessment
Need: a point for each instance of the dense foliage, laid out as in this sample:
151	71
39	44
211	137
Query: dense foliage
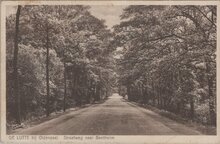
168	58
60	57
64	60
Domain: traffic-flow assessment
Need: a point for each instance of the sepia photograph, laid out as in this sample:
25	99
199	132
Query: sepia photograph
96	70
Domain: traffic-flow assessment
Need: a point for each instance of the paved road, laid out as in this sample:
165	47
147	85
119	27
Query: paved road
113	117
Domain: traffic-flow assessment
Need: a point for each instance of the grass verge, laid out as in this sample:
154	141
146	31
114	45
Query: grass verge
204	129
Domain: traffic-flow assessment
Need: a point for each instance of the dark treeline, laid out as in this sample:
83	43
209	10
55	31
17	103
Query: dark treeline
168	59
58	57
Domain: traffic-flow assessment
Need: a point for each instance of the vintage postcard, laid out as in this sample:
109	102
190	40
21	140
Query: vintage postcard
111	72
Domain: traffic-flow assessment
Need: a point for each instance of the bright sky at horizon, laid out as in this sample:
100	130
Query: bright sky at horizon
109	13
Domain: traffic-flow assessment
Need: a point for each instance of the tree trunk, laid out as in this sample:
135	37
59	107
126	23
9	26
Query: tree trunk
93	90
106	93
211	96
98	88
159	98
88	91
211	103
64	97
154	96
15	72
76	86
192	109
129	92
72	84
47	73
142	93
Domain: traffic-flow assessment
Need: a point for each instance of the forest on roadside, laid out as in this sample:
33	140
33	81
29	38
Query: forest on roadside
63	59
168	59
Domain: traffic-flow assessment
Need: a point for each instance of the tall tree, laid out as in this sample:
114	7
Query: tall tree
47	71
15	66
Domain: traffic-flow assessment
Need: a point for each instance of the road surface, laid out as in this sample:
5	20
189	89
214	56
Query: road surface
115	116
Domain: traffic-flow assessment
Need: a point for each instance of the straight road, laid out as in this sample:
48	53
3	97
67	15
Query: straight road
113	117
